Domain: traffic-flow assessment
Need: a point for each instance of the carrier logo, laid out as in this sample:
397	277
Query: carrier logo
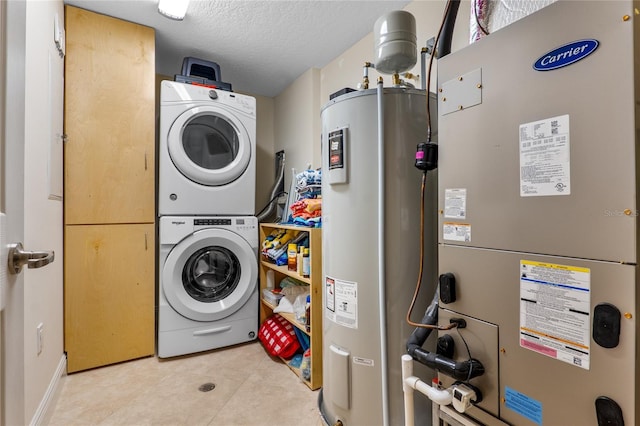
566	55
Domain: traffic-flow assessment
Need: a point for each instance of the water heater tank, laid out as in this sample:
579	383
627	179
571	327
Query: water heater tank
395	42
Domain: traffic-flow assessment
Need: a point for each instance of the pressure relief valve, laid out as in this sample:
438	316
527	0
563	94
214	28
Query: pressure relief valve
427	156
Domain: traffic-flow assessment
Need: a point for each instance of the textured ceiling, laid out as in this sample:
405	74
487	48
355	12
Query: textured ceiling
261	46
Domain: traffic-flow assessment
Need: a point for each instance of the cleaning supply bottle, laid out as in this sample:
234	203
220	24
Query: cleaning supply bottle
306	263
292	257
299	259
307	317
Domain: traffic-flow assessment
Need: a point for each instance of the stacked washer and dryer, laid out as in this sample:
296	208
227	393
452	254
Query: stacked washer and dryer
208	234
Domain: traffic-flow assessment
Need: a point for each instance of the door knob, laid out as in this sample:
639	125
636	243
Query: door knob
33	259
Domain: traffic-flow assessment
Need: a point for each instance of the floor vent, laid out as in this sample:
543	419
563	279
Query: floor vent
207	387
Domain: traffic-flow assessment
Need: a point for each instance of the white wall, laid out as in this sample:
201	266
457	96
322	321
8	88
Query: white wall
265	155
297	123
43	207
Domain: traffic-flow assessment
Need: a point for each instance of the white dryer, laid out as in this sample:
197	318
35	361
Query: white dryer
208	283
207	151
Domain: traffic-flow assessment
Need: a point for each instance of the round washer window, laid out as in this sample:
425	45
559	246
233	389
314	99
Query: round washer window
211	274
210	142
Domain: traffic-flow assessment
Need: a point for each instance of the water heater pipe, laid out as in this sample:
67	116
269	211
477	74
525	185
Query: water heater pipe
444	40
410	382
382	256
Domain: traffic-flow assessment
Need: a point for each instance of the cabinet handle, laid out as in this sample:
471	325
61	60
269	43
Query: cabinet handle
145	160
146	247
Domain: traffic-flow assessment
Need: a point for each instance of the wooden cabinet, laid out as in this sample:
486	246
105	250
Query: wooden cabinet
109	294
109	190
315	288
109	120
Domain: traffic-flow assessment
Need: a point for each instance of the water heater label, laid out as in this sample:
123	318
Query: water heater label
342	302
455	203
555	307
545	158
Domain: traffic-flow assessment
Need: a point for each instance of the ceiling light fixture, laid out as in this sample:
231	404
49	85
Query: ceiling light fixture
173	9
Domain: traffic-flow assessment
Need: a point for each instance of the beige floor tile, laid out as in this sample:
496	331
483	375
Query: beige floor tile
251	388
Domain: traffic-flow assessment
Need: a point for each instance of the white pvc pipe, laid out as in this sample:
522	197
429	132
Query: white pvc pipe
410	382
382	258
440	397
407	371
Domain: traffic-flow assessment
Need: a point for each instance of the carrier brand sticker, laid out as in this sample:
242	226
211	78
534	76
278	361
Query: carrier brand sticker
455	203
342	302
566	55
453	231
555	315
523	405
545	160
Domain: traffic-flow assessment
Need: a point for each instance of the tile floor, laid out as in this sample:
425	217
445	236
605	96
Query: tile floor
251	388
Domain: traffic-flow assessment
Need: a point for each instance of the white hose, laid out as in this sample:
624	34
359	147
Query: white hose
382	258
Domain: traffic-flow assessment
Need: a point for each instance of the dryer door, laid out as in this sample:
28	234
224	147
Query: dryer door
210	274
209	146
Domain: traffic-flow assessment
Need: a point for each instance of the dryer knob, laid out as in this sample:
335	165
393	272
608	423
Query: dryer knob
213	94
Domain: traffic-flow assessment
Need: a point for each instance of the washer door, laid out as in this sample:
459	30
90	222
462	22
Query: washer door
209	146
209	275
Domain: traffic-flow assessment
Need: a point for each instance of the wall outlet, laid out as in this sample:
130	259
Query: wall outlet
40	337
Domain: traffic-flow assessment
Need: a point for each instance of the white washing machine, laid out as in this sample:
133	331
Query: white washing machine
208	283
207	163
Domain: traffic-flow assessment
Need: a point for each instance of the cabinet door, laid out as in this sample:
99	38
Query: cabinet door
109	294
109	120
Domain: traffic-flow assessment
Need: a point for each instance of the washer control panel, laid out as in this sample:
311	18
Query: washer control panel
212	222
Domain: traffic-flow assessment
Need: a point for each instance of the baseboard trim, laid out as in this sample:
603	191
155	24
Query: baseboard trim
45	409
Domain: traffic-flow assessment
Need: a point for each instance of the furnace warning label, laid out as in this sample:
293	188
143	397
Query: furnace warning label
342	302
456	231
455	203
555	305
545	157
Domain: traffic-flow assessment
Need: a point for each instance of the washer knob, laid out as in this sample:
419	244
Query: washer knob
213	94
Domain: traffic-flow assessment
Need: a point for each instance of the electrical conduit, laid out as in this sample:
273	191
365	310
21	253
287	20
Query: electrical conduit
381	256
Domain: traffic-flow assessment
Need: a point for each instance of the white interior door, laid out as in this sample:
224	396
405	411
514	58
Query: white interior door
12	339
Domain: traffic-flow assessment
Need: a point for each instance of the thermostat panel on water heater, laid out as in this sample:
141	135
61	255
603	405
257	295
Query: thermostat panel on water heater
338	159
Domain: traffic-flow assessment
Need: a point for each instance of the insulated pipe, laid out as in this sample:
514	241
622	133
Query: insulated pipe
459	370
382	257
423	71
444	42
